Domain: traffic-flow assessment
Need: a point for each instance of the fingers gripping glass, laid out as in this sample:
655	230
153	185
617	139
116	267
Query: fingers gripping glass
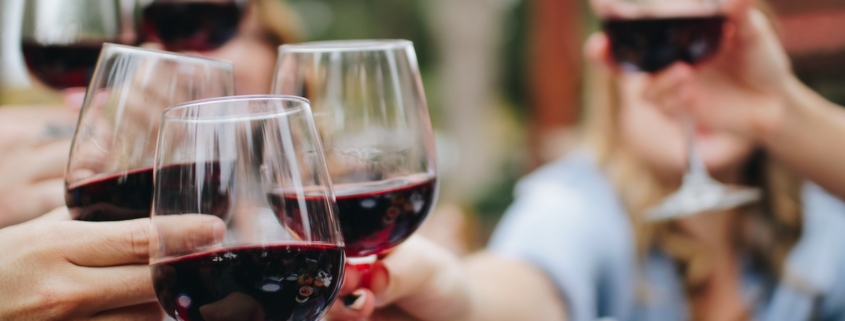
191	25
109	174
371	113
652	43
256	163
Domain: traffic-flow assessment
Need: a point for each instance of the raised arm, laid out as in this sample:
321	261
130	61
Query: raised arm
748	89
422	282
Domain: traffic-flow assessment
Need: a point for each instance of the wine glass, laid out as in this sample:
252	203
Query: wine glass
61	39
180	25
371	113
256	163
690	32
110	171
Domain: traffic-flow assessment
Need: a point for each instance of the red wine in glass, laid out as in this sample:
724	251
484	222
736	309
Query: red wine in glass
257	270
62	66
61	40
275	282
373	218
129	195
110	169
191	26
651	44
116	197
372	116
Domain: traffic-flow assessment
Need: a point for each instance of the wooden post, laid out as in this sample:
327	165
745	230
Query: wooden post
556	29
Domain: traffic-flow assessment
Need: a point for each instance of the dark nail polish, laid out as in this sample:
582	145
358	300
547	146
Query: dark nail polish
355	300
350	299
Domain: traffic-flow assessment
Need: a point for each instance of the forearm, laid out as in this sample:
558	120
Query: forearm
427	283
808	135
506	290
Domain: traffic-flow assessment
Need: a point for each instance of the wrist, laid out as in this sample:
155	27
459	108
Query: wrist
800	110
790	107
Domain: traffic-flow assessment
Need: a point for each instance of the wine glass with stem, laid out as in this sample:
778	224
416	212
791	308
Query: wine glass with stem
371	113
61	39
256	163
653	35
110	171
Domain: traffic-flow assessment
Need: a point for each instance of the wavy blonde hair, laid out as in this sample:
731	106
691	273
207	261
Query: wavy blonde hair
767	231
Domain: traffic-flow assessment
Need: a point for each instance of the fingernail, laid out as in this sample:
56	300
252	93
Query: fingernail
355	301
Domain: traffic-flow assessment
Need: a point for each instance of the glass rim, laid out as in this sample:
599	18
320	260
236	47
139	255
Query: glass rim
346	45
303	104
119	48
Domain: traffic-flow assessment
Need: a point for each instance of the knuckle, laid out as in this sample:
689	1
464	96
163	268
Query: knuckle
138	240
56	302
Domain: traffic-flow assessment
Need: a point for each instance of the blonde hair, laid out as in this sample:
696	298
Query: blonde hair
767	231
277	23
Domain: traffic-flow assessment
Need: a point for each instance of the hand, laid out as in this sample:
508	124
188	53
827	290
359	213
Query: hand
57	269
417	281
119	128
34	146
741	90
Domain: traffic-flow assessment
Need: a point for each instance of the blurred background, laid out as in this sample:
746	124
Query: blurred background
503	79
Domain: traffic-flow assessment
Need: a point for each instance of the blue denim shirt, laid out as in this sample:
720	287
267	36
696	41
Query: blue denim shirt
569	222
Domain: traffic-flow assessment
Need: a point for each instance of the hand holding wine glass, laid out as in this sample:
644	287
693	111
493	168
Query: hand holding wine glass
418	281
653	36
749	89
57	269
742	89
255	162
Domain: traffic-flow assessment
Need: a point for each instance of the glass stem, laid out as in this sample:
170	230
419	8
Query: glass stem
696	171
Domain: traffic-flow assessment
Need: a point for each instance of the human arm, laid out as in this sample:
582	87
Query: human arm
558	252
748	89
54	268
421	281
806	137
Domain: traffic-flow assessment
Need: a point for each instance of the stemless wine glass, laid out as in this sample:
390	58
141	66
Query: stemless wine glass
690	31
371	112
256	163
110	171
61	39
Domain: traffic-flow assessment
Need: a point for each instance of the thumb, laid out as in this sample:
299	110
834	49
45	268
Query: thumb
97	244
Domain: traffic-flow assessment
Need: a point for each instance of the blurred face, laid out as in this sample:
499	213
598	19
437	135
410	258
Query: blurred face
254	59
660	140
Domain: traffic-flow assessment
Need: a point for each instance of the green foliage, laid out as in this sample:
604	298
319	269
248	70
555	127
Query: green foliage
368	19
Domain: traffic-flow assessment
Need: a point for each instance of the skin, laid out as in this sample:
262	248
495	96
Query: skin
253	58
89	271
34	142
33	155
745	97
81	270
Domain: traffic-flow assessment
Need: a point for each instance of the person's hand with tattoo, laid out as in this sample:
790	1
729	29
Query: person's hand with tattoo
34	147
